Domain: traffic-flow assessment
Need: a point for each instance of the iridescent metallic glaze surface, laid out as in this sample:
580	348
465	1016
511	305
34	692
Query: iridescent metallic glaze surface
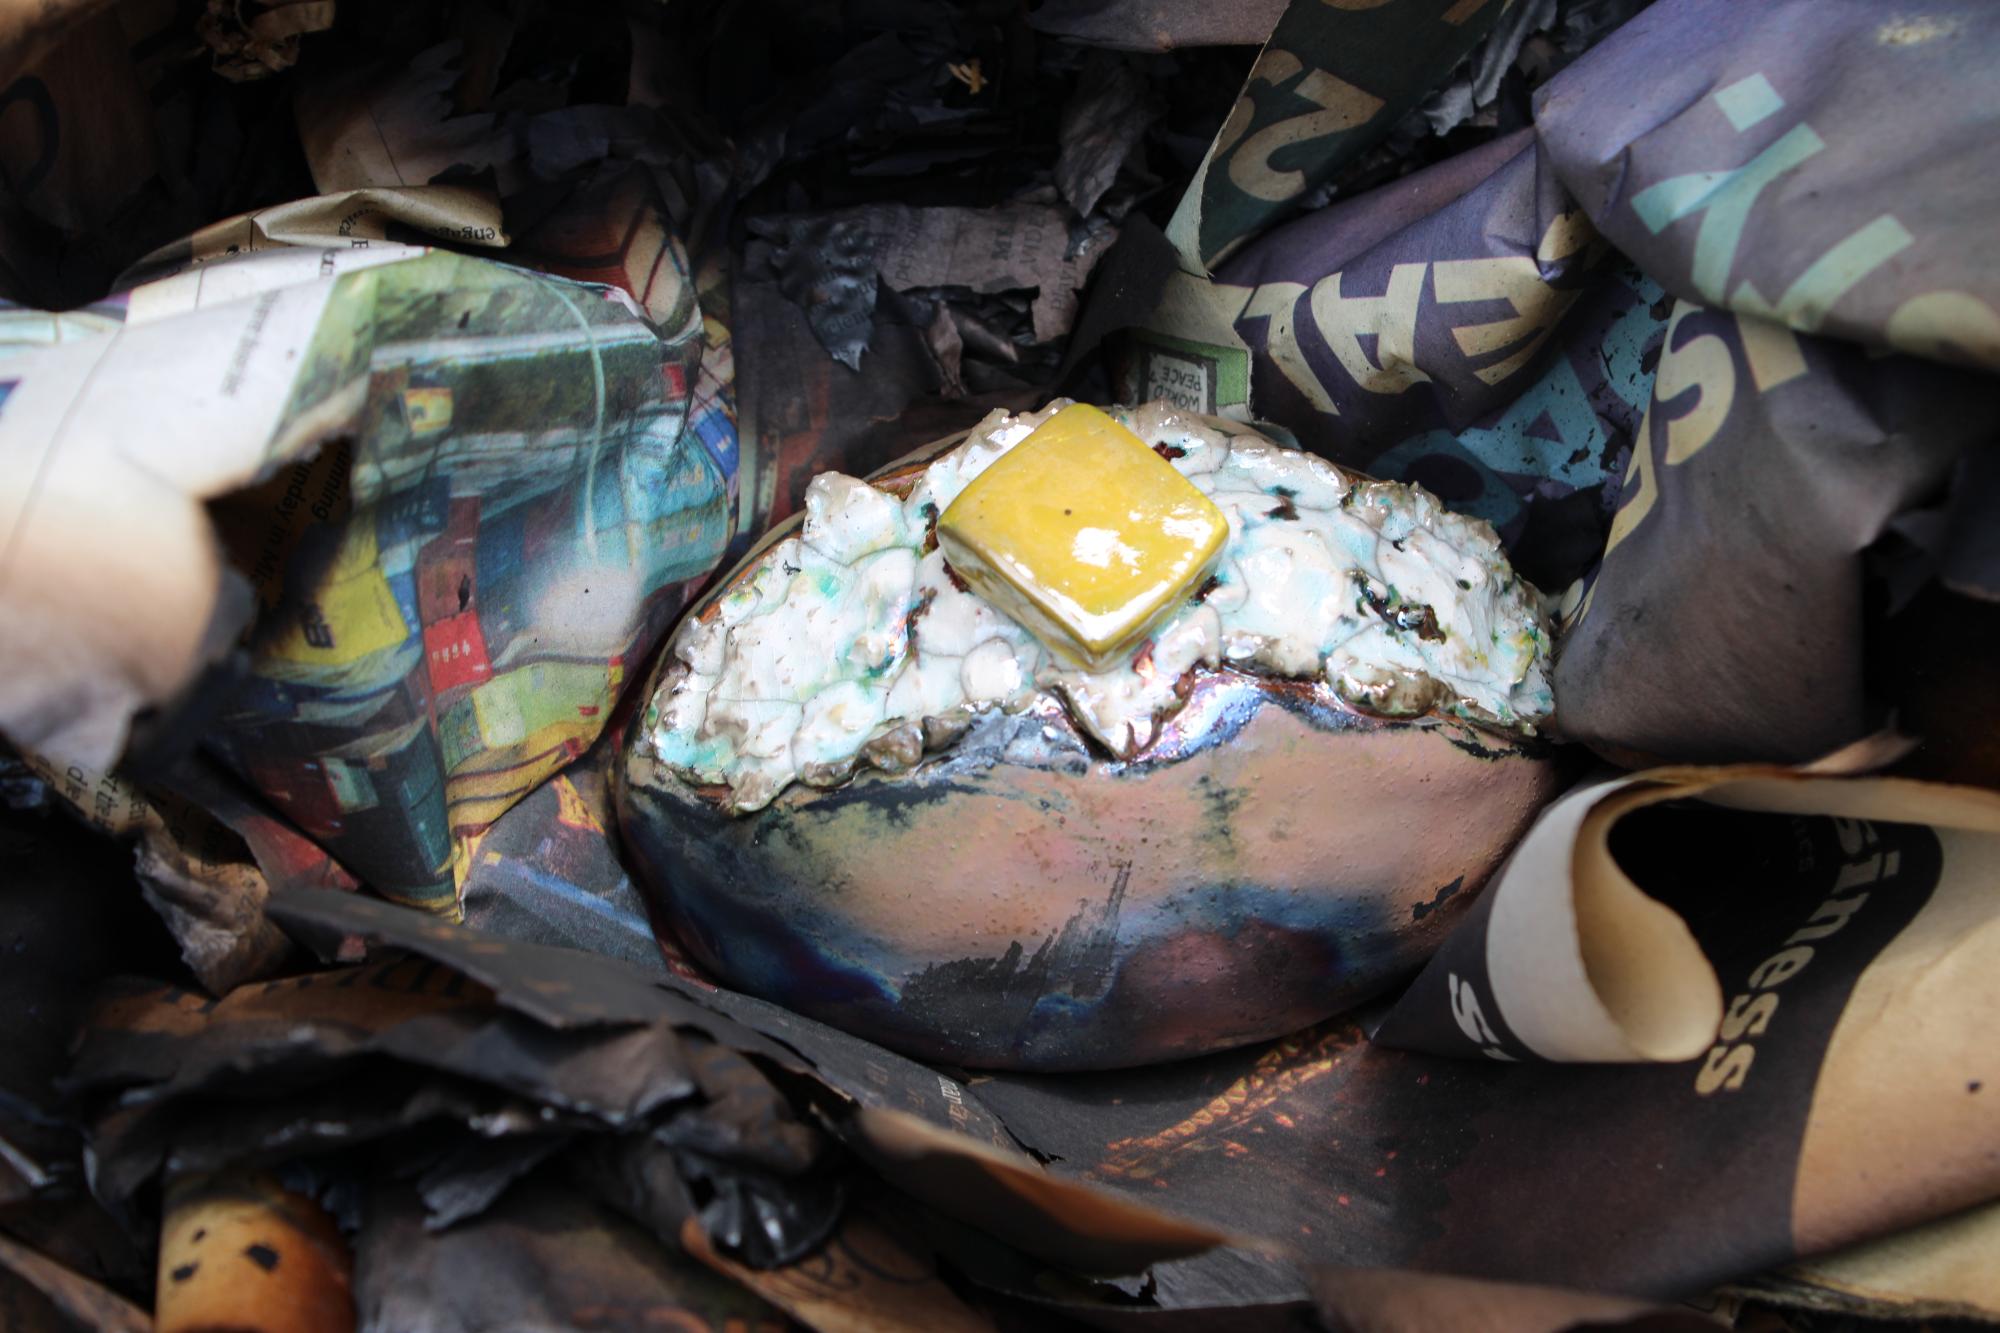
1022	899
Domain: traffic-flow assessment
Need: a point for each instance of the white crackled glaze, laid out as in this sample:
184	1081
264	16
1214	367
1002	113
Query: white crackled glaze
811	665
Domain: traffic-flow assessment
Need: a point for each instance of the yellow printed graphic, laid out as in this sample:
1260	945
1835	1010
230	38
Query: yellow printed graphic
516	704
350	615
571	810
428	411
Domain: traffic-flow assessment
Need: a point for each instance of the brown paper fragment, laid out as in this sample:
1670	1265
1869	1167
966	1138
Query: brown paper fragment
1949	1268
78	139
545	1258
195	872
28	32
88	1304
1388	1301
254	39
394	126
1081	1227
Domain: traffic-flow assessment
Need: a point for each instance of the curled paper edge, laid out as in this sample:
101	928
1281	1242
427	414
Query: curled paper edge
90	1304
1585	966
1016	1200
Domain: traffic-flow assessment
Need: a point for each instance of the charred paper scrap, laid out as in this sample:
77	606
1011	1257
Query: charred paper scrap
405	1068
501	1079
549	1176
544	1257
831	265
70	917
943	249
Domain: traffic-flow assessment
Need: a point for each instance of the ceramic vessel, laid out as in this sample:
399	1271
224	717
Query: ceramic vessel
1022	900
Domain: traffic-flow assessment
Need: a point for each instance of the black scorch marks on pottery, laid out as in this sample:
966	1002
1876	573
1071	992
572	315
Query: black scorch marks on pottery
1418	911
998	994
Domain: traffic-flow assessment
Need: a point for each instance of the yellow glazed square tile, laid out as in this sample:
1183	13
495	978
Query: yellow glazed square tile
1084	535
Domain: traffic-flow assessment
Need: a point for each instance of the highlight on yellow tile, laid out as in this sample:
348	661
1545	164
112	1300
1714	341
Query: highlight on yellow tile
1084	535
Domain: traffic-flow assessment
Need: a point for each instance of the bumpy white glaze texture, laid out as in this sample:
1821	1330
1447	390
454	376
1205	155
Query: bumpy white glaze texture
851	644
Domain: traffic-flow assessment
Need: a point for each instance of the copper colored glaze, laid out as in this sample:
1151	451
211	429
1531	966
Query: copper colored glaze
1023	900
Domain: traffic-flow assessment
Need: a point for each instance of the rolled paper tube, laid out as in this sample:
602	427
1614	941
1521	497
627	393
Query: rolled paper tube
241	1254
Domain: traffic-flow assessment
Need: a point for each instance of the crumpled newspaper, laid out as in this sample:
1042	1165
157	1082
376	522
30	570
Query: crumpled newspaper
1671	299
393	526
1693	354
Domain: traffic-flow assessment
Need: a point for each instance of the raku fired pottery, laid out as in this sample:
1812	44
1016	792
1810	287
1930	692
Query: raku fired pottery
1023	898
